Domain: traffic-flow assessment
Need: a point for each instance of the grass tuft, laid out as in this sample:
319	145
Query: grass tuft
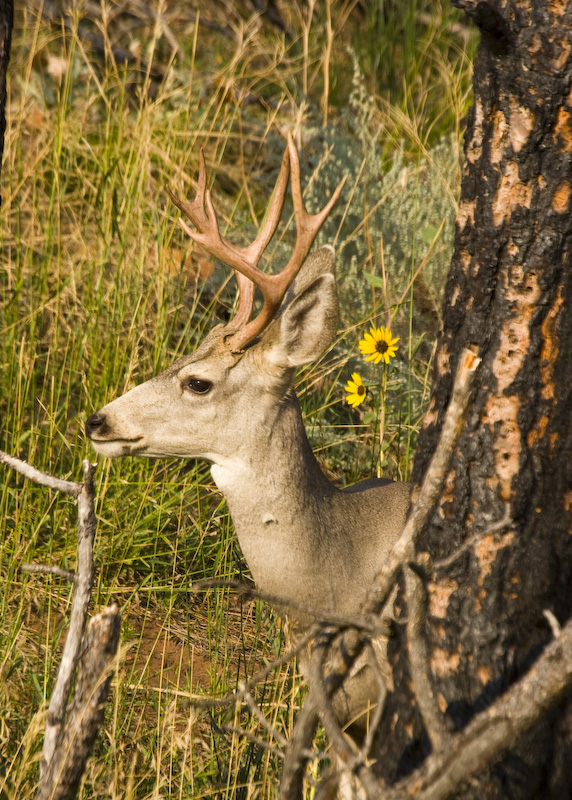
100	289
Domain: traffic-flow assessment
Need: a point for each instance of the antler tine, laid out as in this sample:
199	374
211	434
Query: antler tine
244	260
245	303
195	211
307	225
253	251
259	245
274	287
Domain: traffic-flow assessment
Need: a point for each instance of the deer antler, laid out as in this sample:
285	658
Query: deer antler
244	260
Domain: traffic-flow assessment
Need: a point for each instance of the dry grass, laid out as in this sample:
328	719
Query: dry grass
99	290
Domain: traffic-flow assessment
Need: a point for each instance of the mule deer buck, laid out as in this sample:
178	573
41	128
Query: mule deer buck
231	402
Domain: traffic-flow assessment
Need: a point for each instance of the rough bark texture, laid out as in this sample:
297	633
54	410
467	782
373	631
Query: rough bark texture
6	23
509	291
62	776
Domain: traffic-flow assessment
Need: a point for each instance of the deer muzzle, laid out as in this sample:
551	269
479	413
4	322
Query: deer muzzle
104	440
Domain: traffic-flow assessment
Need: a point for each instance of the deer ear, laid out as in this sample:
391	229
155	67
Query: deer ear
309	319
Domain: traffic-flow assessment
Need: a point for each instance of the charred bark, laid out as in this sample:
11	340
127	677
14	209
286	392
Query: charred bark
509	292
6	24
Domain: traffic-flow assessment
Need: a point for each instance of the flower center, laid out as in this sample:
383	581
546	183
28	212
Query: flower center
361	391
381	347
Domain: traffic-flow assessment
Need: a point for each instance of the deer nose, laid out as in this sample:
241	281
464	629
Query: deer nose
95	424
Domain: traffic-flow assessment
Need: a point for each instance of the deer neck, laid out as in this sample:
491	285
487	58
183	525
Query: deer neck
278	500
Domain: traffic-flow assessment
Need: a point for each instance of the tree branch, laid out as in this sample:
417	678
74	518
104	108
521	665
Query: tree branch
296	758
434	721
336	619
354	761
33	474
63	772
233	697
494	732
46	569
72	724
487	18
352	641
80	605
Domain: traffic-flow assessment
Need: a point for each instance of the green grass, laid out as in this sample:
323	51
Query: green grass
99	290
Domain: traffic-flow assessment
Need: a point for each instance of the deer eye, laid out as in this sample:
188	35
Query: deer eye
198	385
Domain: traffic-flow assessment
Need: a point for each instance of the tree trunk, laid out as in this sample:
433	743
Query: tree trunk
509	293
6	23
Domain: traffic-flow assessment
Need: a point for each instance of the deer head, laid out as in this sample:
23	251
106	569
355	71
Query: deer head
231	402
200	405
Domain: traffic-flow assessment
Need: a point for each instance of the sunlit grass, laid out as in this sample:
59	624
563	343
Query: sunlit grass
99	290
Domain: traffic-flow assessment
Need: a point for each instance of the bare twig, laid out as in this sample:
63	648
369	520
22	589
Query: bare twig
428	494
82	595
252	737
33	474
45	569
489	735
256	711
336	619
555	626
419	661
352	758
352	642
285	658
422	506
295	758
323	701
495	527
71	725
378	710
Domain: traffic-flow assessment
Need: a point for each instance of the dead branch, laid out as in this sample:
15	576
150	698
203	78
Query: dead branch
494	732
244	734
33	474
343	748
471	541
433	719
82	596
490	735
353	759
72	724
335	619
295	758
62	774
424	499
352	642
256	712
378	710
285	658
423	502
45	569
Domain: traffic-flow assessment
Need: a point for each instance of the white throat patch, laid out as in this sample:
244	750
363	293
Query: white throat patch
229	473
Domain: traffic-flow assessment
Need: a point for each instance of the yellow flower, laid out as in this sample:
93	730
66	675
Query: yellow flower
378	345
356	390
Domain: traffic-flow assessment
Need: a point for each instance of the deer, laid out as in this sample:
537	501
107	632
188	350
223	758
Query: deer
232	403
